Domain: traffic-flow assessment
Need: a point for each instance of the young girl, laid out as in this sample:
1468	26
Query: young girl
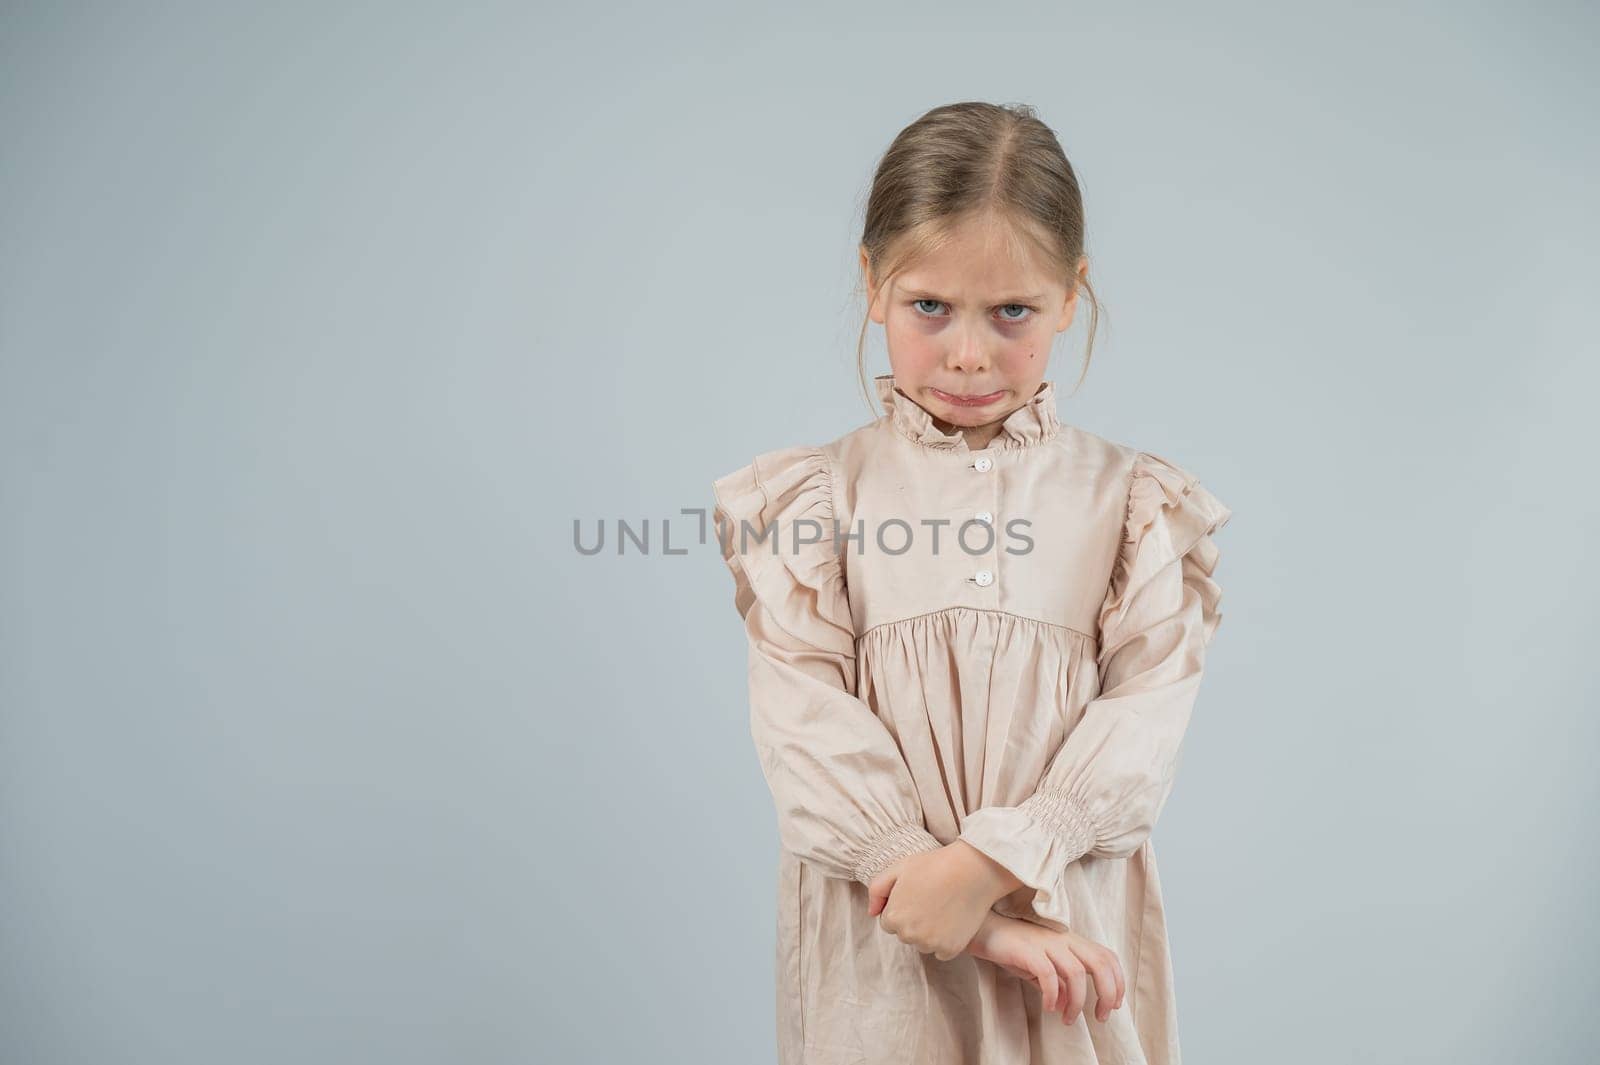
976	634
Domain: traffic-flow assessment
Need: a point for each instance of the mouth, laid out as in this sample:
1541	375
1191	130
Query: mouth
968	400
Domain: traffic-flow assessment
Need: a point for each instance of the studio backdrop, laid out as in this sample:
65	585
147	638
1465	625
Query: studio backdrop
330	334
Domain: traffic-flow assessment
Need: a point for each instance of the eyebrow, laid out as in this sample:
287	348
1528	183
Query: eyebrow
922	294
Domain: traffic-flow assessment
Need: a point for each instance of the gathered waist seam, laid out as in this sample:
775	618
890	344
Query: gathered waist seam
974	610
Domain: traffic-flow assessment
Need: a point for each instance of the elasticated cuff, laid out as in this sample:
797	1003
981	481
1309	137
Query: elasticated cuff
897	843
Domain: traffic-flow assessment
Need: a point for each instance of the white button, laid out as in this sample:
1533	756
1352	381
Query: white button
985	517
984	578
983	464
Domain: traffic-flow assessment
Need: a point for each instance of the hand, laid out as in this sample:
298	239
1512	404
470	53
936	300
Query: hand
1061	963
937	900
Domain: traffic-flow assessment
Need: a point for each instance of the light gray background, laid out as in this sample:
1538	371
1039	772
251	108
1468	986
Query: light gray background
319	327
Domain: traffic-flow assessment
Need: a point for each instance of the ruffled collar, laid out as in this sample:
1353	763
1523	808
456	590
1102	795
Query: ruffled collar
1032	423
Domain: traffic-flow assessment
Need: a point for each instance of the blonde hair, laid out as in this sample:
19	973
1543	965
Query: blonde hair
968	161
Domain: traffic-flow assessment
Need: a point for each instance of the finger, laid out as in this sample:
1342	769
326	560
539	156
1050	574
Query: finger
1049	986
1061	960
878	891
1122	984
1077	986
1105	988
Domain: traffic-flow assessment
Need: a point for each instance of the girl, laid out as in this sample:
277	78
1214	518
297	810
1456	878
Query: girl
975	637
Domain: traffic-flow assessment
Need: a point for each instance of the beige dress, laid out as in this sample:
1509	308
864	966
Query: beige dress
1001	645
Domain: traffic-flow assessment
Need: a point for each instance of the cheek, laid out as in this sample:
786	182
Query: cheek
1021	354
914	344
910	328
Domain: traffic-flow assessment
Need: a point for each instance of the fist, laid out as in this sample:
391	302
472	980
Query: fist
930	901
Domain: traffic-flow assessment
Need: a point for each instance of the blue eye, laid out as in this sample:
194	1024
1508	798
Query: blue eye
931	308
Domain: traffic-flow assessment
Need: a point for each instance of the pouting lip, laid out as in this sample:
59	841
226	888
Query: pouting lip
972	398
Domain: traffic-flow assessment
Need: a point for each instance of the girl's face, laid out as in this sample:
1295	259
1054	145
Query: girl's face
969	329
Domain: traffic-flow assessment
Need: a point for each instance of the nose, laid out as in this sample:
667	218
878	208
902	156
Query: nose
967	352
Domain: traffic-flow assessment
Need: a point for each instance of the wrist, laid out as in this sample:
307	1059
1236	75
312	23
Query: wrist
1020	899
993	880
989	944
979	945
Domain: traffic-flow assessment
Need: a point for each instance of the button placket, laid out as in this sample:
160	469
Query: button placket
983	578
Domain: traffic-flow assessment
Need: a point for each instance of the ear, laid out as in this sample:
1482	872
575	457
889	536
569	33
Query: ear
873	310
1070	308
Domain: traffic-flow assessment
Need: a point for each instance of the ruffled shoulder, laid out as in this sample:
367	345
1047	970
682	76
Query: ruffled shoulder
774	521
1170	515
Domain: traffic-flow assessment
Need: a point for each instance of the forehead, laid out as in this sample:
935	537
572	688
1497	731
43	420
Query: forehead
982	264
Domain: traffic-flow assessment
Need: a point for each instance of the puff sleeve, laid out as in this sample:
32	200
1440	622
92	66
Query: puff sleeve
845	799
1103	789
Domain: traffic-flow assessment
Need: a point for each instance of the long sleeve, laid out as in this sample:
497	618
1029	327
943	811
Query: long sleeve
845	800
1103	790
